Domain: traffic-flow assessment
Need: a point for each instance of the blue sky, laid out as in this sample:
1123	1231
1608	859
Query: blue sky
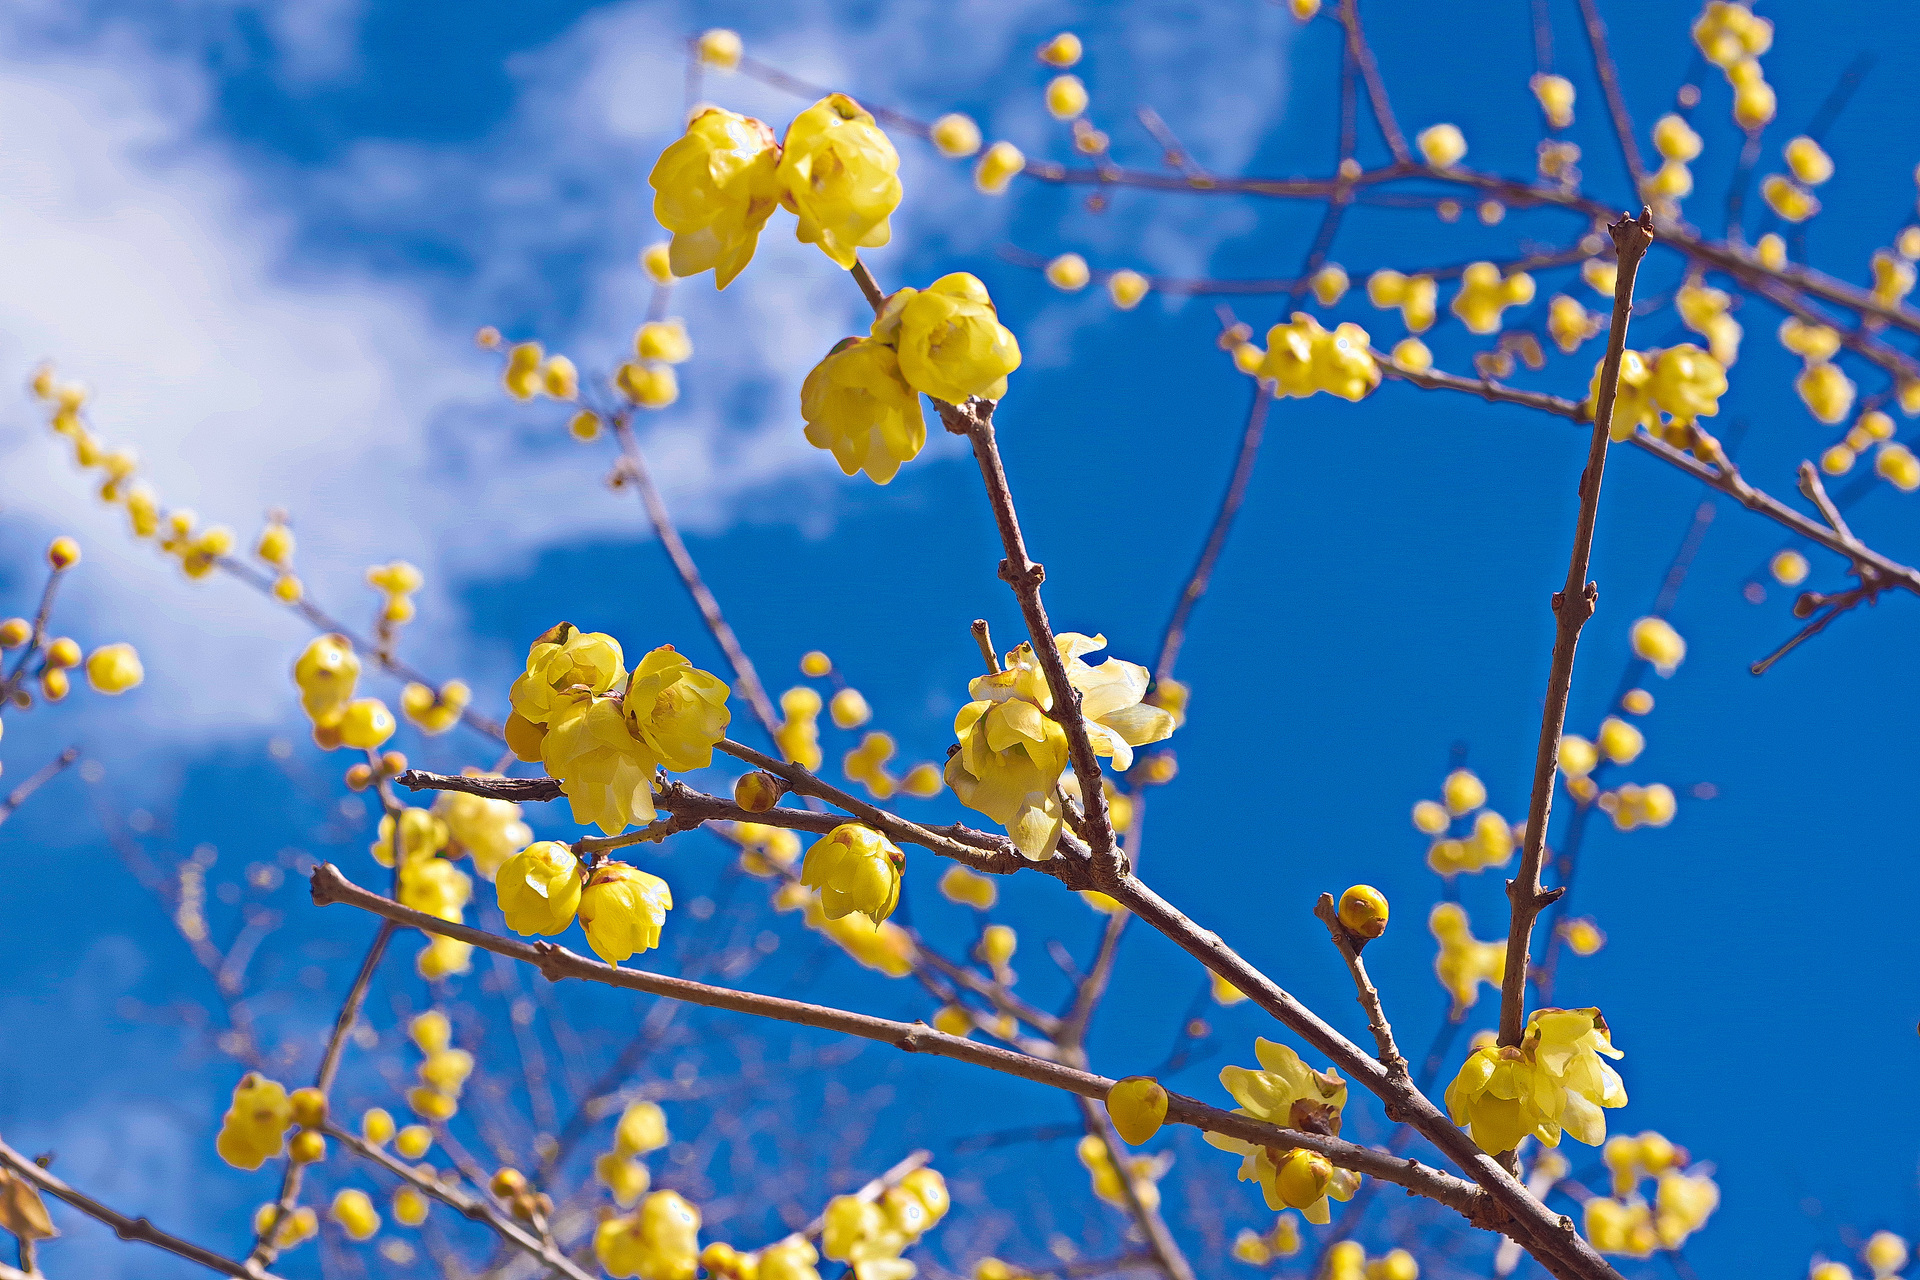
264	235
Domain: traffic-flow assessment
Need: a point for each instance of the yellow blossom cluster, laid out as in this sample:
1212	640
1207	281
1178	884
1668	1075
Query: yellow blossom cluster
1626	1223
661	1241
870	1235
642	1129
326	674
1485	293
488	830
1417	297
863	401
602	732
1569	324
1704	310
854	868
1463	962
1684	382
443	1069
1282	1240
1347	1260
716	186
1732	37
1145	1173
885	948
1489	842
1302	358
254	1128
1553	1081
765	851
1287	1092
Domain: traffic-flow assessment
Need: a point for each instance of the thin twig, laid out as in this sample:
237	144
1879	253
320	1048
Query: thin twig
1348	944
47	773
1572	606
123	1226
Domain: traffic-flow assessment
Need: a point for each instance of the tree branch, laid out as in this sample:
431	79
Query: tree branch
1345	941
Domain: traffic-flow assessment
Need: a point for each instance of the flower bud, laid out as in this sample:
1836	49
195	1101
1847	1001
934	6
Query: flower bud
355	1213
758	792
309	1107
1363	909
114	669
997	168
15	632
376	1126
1443	145
1068	273
414	1141
63	553
1138	1107
1063	50
507	1183
307	1147
1127	288
956	135
409	1207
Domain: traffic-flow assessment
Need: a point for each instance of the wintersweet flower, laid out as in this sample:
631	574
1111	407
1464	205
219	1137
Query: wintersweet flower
839	173
293	1228
1068	273
1143	1171
1885	1254
969	888
1463	962
489	830
952	345
626	1180
660	1242
1655	640
1443	145
764	849
1302	358
1463	791
1416	297
1288	1093
1555	95
326	673
1484	294
1138	1107
1827	392
720	49
1330	284
1127	287
1363	910
1063	50
1619	741
1112	698
642	1128
1633	405
605	773
1894	463
435	886
1552	1082
623	909
798	736
663	340
855	868
997	168
715	187
422	834
114	668
790	1259
1623	1227
1634	806
562	660
676	710
1810	164
366	724
435	713
956	136
354	1211
1066	97
254	1128
1682	1204
539	889
884	948
857	404
1687	383
1569	324
1011	757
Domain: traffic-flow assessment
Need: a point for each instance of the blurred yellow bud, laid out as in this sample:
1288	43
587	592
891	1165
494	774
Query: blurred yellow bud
1771	251
1127	288
409	1207
1068	272
642	1128
656	261
997	945
663	340
1675	139
355	1213
1789	568
1463	791
649	386
376	1126
1063	50
848	709
1066	97
1896	465
414	1141
1655	640
1430	817
1827	392
15	632
1787	198
63	553
1555	95
720	48
559	378
1619	741
1809	163
366	724
307	1147
969	888
1583	936
997	168
1330	284
956	136
1443	145
1412	354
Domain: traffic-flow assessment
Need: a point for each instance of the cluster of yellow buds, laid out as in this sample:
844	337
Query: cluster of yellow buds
397	582
326	673
489	830
1630	1158
969	888
275	549
867	765
648	380
1145	1173
1732	38
1553	1081
1287	1092
1684	382
765	851
1488	843
863	401
1678	146
254	1128
1555	94
1626	1223
289	1229
1871	426
443	1069
642	1129
855	868
1635	806
1416	296
1258	1250
872	1234
1893	272
661	1241
353	1210
117	466
798	735
884	948
718	184
603	747
198	550
1704	310
435	711
1464	962
1485	293
1791	197
529	371
1347	1260
1302	358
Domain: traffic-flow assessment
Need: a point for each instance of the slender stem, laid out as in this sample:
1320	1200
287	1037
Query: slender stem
1572	606
1362	57
47	773
1609	75
745	677
37	642
123	1226
1348	944
556	962
478	1208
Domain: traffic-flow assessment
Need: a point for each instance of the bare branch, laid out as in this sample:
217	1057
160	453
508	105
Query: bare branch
1349	944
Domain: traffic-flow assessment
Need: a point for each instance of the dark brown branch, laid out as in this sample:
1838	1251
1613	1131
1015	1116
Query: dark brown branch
1362	56
556	962
123	1226
1572	606
1609	75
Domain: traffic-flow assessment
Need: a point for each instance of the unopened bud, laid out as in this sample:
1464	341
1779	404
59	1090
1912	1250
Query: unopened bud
758	792
1363	909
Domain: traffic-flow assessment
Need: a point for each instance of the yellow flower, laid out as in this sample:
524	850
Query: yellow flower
1810	164
1414	295
998	942
1687	383
997	168
1288	1093
1412	354
951	342
1655	640
1062	51
490	830
856	404
1484	294
1894	463
1569	324
623	909
1138	1107
763	849
663	340
715	187
1127	287
1577	756
422	835
114	668
885	948
255	1126
1789	199
1885	1254
956	136
1066	97
302	1224
651	386
642	1128
798	736
839	173
660	1242
1443	145
1682	1205
354	1211
969	888
435	886
376	1126
1463	963
1633	405
867	763
435	713
1553	1081
1363	910
1555	95
626	1180
1303	358
1617	1227
720	49
1619	741
1893	278
1632	806
855	868
1827	391
565	659
676	710
366	724
414	1141
1068	272
1463	791
1011	757
326	673
539	889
